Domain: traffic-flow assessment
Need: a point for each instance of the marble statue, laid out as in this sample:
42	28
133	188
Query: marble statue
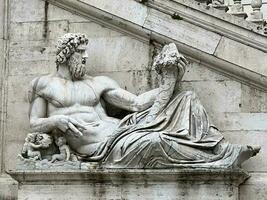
35	141
166	128
64	150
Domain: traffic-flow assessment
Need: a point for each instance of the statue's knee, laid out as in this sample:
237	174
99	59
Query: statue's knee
155	139
191	94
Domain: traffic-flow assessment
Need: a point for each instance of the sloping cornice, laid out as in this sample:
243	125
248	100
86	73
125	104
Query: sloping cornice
221	41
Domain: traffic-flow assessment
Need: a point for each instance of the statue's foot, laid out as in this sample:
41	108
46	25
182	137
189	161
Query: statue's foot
246	153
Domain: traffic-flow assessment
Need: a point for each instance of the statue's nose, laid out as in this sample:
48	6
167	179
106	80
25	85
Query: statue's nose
85	55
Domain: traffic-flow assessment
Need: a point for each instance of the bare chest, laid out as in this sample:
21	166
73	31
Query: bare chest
67	93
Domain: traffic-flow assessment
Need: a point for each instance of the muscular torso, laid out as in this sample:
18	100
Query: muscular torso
81	101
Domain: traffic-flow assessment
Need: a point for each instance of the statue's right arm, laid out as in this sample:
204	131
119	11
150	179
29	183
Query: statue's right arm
40	122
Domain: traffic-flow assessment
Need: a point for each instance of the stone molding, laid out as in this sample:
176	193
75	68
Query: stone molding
134	19
236	176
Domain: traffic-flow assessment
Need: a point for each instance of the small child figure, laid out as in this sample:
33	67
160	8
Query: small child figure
63	149
29	146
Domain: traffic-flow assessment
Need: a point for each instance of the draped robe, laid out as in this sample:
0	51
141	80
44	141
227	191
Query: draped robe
180	136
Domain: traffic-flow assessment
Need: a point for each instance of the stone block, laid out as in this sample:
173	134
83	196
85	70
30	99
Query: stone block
259	162
253	100
182	31
183	184
56	13
132	11
243	121
32	51
11	151
242	55
36	68
134	81
216	96
108	54
31	57
17	108
254	187
8	188
27	10
37	31
93	30
198	72
17	121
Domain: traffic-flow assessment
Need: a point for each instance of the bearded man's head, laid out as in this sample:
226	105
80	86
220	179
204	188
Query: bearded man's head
71	50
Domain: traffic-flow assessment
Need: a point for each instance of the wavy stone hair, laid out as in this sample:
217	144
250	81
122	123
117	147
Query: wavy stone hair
67	45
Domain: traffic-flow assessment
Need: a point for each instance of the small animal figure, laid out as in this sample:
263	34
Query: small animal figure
28	150
63	149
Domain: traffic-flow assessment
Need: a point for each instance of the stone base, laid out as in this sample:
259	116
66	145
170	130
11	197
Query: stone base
8	188
182	184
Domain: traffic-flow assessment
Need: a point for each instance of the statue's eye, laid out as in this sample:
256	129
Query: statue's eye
79	51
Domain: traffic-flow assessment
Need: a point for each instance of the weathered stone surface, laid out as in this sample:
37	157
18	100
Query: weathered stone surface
243	121
135	81
198	72
93	30
217	96
55	13
253	100
255	60
17	110
31	57
33	31
8	188
109	54
27	10
186	184
134	11
238	29
182	31
258	163
254	187
2	17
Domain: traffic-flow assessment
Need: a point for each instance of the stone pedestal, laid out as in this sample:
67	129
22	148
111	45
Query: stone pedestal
182	184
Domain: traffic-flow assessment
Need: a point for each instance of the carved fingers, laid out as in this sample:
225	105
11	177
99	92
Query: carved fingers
74	130
182	63
69	125
79	125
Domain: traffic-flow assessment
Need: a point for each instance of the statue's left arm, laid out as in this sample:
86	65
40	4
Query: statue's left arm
126	100
170	65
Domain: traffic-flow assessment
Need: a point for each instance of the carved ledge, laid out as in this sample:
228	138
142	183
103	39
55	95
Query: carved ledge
236	176
186	183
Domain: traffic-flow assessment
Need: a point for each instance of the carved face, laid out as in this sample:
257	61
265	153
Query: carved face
77	62
61	141
30	138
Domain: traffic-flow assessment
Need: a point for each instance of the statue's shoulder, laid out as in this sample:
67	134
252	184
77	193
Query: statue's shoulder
41	82
38	84
106	82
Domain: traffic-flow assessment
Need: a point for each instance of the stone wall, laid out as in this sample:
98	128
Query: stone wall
238	110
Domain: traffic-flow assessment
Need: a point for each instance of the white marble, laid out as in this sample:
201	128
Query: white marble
165	127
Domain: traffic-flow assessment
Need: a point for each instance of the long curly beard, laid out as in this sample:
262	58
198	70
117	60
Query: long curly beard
77	69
